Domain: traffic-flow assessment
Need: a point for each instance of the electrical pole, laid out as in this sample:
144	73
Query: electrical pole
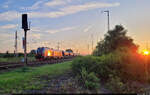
146	62
147	46
97	39
77	51
16	43
88	48
58	45
107	11
92	41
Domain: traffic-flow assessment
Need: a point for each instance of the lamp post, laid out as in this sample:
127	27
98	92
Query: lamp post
107	11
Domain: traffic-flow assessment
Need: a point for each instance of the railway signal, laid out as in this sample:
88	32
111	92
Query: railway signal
25	27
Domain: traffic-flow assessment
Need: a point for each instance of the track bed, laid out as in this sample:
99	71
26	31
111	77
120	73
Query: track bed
8	65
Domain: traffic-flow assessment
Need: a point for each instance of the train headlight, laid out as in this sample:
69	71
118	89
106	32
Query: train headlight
49	54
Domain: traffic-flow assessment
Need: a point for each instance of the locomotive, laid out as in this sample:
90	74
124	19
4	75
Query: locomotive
43	53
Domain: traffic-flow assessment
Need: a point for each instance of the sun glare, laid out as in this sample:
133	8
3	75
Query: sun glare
146	52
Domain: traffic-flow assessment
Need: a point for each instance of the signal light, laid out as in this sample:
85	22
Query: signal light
24	21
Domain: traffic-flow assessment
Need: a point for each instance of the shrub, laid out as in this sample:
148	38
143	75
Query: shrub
115	84
130	66
92	81
122	64
8	55
31	55
89	80
90	64
20	54
101	66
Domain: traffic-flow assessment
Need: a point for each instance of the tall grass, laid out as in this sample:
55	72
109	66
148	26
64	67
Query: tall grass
27	78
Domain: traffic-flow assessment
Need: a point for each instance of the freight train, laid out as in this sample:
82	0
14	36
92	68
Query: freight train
44	53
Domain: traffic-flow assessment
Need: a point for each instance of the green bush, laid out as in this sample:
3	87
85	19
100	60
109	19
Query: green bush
20	54
115	84
129	66
1	55
85	68
90	64
89	80
101	66
92	81
122	64
8	55
31	55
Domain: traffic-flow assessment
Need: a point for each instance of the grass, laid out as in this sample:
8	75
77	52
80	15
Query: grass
15	59
29	77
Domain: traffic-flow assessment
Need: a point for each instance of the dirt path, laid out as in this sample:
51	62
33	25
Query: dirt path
65	83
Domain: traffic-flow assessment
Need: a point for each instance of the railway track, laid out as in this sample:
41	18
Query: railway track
6	66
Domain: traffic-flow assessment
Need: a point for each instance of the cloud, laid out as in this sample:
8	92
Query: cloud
6	4
55	3
46	14
36	29
35	35
39	35
4	35
9	26
77	8
42	3
87	29
52	31
9	15
72	9
35	6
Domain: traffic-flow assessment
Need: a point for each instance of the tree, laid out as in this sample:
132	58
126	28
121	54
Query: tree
115	39
69	50
33	51
7	52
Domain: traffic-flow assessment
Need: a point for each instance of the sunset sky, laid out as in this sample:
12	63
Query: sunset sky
71	22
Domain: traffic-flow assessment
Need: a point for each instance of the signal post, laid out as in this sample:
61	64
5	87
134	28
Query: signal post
25	27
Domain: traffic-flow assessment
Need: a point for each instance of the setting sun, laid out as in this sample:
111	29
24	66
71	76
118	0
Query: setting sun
146	52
